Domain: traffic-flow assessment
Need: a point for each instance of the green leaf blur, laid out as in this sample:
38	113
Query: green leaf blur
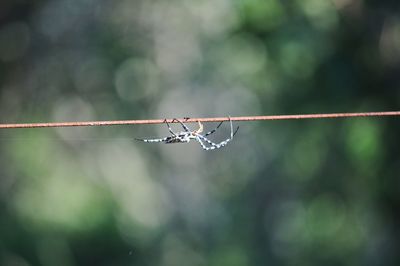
304	192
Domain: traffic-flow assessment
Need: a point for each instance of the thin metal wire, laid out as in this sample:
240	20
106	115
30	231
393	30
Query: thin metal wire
193	120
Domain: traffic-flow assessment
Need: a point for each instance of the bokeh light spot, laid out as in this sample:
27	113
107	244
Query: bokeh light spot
136	79
363	143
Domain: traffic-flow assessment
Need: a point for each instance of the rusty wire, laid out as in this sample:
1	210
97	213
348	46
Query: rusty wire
191	120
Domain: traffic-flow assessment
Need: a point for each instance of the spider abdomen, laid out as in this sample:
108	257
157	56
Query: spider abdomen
182	137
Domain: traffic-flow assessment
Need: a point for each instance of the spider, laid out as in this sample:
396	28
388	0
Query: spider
187	135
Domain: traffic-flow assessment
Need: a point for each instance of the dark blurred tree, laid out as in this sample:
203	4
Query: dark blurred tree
284	193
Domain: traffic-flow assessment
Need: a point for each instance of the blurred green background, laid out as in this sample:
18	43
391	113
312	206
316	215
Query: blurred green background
322	192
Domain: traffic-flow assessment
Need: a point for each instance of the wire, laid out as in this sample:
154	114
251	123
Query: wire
192	120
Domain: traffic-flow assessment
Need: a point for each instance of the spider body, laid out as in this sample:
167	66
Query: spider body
187	135
181	137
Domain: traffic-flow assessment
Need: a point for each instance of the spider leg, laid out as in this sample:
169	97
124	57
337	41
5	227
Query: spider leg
170	129
201	138
230	121
212	131
182	124
215	129
154	140
214	145
204	146
233	133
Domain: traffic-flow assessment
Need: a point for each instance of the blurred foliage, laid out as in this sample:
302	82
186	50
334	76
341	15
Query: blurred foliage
282	193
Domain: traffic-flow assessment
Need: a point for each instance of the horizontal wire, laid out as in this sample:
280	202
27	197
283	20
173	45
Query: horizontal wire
192	120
